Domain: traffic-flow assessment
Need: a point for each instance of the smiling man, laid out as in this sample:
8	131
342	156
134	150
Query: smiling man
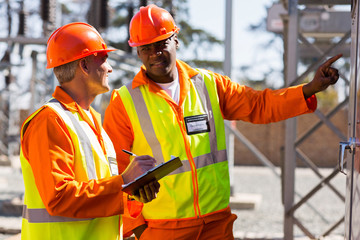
162	68
72	185
171	108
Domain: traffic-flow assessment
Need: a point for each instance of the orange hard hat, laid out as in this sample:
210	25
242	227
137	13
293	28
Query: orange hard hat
151	24
73	41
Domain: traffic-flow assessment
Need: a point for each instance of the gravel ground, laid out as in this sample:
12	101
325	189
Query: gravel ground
263	222
11	186
266	220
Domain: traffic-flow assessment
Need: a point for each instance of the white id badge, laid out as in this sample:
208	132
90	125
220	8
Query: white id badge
197	124
113	166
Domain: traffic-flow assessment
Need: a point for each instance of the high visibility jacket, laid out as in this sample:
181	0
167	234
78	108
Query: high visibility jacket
143	118
160	135
93	163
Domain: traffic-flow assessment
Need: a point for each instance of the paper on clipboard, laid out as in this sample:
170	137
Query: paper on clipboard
155	173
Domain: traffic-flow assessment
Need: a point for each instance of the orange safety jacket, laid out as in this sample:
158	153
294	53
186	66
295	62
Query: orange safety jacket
69	193
234	101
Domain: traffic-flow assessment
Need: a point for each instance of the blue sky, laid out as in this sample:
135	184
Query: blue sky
210	15
247	46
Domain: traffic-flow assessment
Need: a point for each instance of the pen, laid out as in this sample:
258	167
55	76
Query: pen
130	153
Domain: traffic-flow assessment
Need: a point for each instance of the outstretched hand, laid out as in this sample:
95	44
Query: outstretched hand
324	77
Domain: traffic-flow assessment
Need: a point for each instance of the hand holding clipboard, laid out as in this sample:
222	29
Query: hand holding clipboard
155	173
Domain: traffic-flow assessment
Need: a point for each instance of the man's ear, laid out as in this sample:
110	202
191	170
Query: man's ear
177	43
137	51
83	64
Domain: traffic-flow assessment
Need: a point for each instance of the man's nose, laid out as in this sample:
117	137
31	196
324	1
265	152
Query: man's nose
109	67
155	51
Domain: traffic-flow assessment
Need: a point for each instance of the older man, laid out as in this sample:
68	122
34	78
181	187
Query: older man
72	186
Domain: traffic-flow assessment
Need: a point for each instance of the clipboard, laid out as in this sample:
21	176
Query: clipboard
156	173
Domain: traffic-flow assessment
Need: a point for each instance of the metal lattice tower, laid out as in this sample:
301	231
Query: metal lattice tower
317	39
312	31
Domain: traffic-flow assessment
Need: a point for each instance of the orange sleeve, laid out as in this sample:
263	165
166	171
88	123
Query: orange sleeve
239	102
50	152
132	217
118	126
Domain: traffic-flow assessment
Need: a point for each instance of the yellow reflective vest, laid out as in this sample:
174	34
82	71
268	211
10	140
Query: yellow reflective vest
201	186
89	163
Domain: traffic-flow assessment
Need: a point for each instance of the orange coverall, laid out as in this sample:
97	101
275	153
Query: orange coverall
50	151
237	102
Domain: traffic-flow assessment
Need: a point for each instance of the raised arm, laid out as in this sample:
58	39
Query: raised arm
324	77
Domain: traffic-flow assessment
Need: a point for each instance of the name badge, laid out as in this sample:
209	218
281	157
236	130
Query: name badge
113	166
197	124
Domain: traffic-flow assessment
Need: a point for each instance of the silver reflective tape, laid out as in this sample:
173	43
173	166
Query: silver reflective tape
200	86
41	215
145	122
184	168
84	140
210	158
202	161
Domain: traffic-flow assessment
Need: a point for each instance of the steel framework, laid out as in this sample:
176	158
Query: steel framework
293	38
306	41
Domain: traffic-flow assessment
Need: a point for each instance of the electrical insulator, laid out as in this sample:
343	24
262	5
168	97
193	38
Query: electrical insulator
48	11
7	80
45	10
22	23
98	14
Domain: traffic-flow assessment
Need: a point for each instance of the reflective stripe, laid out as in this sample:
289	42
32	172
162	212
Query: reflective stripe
184	168
84	140
205	160
202	154
145	122
205	99
202	161
41	215
37	223
148	128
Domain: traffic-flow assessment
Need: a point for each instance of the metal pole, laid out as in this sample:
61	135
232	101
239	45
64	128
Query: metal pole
228	36
291	56
33	82
227	70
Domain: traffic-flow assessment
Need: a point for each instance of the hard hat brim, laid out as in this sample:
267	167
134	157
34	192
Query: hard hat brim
157	39
48	66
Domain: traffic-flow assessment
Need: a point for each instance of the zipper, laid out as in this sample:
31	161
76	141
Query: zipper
194	179
192	163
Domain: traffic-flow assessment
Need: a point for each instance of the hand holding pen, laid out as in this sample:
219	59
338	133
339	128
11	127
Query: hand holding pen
137	167
130	153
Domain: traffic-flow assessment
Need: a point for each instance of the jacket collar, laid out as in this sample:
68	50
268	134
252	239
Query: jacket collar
185	74
72	106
